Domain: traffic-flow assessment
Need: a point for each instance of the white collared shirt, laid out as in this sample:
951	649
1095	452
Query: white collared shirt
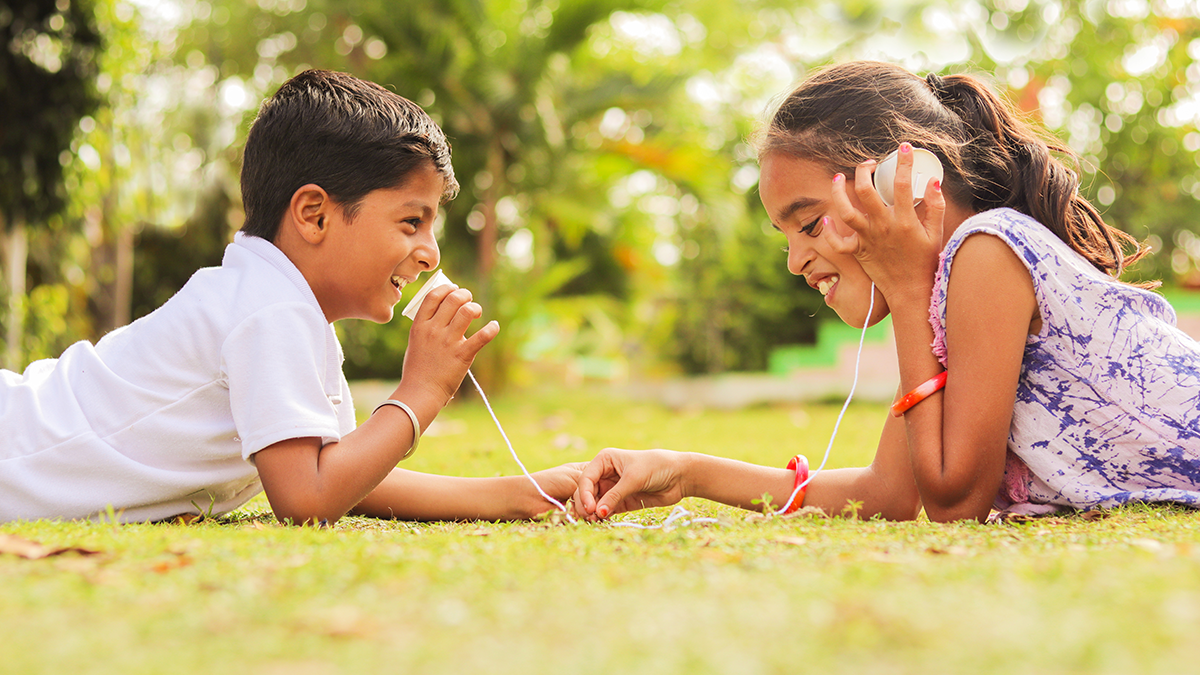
163	416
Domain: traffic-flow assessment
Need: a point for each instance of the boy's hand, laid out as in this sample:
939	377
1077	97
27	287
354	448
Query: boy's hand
627	480
439	351
559	482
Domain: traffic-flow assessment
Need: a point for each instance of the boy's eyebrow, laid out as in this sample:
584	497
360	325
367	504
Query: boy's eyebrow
426	210
801	203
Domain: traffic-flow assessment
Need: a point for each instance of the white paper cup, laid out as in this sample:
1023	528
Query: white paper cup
926	167
438	279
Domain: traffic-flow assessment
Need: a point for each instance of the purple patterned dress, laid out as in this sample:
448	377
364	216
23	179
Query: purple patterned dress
1108	402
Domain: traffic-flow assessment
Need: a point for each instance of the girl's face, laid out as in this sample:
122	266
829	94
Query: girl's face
798	195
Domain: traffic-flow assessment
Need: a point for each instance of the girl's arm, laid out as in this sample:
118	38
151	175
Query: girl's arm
956	438
626	480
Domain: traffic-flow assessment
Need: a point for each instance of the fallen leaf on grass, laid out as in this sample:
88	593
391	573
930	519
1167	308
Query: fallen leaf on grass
1094	514
1151	545
164	566
949	550
806	512
794	541
31	550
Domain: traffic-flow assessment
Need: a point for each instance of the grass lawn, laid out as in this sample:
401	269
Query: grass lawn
1119	594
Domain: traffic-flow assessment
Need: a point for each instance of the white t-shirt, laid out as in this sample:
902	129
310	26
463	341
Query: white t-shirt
163	416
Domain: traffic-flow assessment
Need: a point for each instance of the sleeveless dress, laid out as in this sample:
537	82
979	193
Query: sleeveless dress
1108	402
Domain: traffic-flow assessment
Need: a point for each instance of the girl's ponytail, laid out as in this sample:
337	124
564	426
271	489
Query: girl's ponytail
849	113
1006	163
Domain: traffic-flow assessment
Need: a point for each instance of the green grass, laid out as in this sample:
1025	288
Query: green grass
1066	595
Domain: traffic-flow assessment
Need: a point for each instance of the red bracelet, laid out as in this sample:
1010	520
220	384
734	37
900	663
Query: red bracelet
799	464
922	392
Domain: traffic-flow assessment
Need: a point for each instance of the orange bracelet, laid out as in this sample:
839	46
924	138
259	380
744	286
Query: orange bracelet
922	392
799	464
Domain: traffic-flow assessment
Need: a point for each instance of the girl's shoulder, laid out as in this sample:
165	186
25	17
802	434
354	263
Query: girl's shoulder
1025	234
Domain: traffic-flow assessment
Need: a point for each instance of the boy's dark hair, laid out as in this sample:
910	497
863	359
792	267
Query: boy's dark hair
334	130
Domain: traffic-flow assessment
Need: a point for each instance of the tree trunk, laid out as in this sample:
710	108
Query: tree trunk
15	250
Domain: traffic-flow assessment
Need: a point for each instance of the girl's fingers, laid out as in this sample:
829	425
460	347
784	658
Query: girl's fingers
589	480
935	209
864	189
902	188
843	242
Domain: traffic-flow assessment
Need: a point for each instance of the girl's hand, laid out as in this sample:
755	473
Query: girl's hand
439	351
898	246
627	480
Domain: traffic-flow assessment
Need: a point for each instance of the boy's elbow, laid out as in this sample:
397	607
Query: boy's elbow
305	512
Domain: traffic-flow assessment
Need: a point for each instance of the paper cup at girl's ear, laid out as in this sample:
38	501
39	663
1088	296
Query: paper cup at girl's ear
438	279
926	167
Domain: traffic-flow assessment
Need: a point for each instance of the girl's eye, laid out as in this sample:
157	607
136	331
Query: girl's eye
810	228
785	249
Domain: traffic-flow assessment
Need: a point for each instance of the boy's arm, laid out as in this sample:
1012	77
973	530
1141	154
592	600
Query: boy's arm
306	482
409	495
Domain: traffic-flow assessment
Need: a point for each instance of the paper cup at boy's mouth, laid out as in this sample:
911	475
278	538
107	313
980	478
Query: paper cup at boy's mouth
438	279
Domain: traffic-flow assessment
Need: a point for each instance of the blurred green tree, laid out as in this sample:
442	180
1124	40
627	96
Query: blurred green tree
48	68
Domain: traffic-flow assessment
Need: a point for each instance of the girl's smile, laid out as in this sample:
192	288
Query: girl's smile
798	196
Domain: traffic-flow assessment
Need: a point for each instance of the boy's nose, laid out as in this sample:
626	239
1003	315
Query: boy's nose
427	253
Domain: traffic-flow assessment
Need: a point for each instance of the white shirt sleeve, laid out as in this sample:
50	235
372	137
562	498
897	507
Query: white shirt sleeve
275	362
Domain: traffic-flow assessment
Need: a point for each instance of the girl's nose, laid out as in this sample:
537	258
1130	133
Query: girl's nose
799	256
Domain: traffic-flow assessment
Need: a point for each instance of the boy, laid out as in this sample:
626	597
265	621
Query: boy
235	384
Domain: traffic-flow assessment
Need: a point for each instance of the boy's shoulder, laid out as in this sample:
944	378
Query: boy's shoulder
253	274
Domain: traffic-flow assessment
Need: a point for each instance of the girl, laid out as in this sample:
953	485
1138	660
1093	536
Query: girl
1063	387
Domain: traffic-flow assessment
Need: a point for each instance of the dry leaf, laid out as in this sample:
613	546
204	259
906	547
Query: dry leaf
31	550
175	563
794	541
949	550
806	511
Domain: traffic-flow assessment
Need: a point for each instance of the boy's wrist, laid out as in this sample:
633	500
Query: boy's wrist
425	403
689	469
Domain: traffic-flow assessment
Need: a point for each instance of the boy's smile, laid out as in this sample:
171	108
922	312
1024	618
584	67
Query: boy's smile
362	263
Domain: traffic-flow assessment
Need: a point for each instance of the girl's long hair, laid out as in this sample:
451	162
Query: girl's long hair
849	113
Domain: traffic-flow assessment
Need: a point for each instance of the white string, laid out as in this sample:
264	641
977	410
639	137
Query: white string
853	385
542	492
678	514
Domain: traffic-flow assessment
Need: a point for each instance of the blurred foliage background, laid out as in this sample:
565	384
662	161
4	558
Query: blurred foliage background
609	217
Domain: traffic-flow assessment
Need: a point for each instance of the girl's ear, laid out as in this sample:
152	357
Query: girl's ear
310	210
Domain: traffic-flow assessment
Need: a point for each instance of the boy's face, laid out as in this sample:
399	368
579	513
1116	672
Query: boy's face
797	194
369	260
